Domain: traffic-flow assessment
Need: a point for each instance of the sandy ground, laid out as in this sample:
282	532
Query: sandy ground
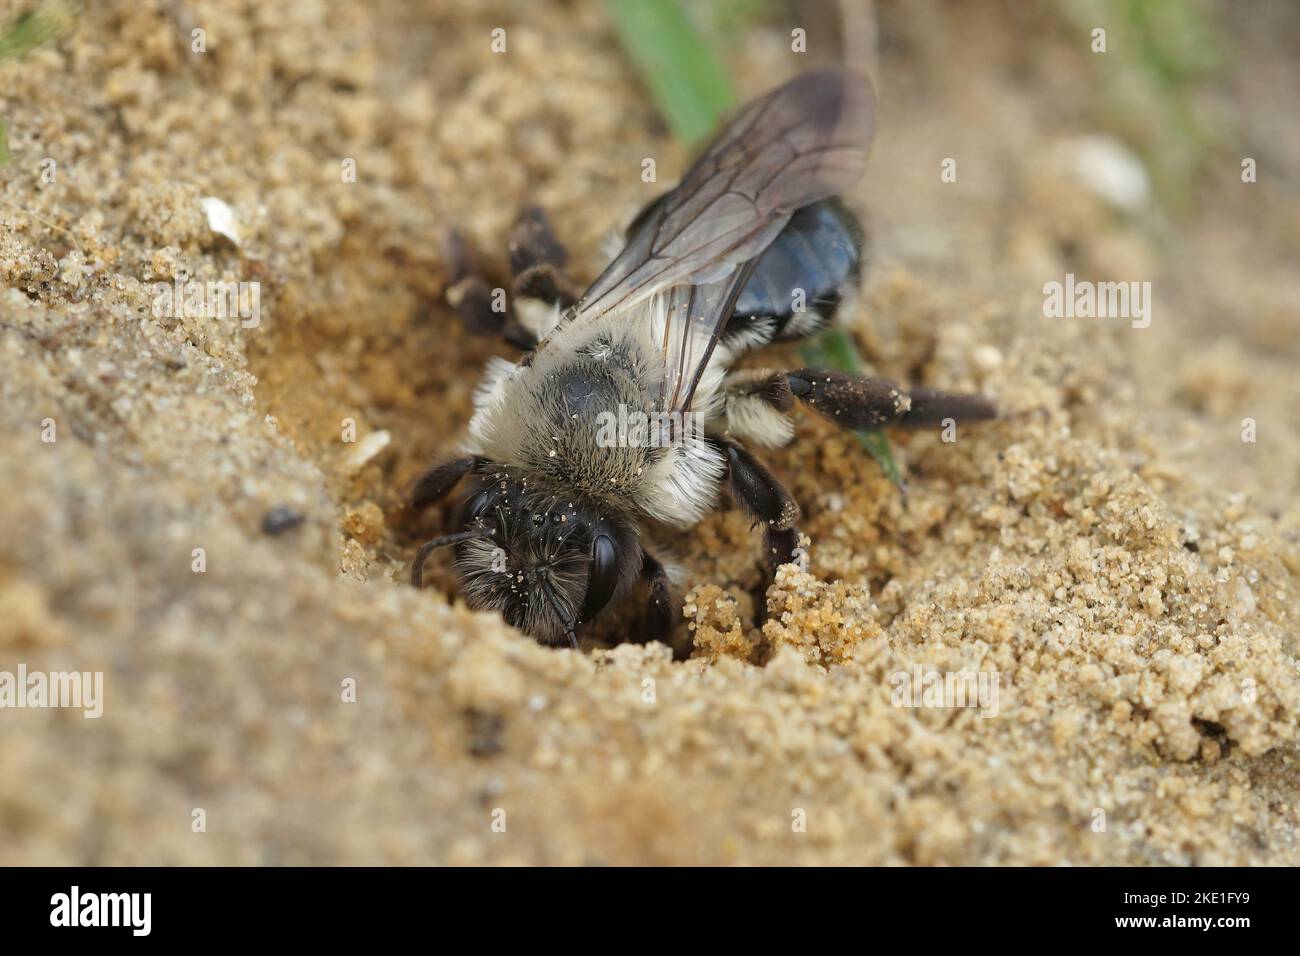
1111	550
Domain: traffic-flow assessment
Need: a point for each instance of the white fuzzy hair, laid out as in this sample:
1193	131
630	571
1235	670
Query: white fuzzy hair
516	402
749	416
538	317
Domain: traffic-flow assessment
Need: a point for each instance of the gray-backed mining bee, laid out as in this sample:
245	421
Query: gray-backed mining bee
550	526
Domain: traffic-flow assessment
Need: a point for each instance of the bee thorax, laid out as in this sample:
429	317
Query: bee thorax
583	414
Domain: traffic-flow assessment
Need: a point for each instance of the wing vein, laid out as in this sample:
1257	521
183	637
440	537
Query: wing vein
697	246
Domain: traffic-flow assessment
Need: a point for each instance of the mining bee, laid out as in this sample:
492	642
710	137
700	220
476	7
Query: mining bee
558	482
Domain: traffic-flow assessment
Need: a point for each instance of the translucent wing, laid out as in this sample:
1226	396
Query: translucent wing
805	141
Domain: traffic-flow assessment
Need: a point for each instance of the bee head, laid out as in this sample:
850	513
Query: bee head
547	560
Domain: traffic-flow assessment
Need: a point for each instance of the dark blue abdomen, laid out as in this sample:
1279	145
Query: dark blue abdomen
817	252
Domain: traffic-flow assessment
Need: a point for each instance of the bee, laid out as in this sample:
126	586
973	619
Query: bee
625	407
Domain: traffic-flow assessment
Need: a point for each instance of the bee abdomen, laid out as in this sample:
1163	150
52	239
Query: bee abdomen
798	281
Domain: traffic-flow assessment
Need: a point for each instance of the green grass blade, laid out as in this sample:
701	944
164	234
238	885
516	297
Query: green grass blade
26	33
685	77
834	349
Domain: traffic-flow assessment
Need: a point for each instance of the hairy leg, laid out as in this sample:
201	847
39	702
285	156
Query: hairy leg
859	402
437	482
430	488
660	608
756	406
537	283
764	498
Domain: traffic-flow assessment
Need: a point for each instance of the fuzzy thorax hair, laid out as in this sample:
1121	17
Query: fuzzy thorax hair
549	415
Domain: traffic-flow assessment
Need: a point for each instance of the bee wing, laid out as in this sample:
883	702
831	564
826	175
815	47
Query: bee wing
802	142
693	318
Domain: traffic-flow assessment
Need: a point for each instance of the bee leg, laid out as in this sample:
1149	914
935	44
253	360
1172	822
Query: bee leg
859	402
660	609
756	405
930	406
431	487
537	261
762	496
483	309
782	547
437	482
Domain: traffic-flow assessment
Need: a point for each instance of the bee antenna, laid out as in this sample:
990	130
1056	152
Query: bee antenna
417	566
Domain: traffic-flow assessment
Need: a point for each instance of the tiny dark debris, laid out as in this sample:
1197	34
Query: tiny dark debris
485	731
280	519
1210	728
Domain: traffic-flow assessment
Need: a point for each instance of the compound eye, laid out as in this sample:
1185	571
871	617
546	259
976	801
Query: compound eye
603	577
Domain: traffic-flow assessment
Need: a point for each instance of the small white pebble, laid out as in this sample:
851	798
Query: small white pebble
986	358
1109	170
221	218
366	449
1244	599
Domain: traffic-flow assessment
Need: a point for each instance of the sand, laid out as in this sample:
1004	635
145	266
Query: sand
1110	550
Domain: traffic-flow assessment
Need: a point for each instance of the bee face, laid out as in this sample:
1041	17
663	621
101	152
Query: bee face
546	560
